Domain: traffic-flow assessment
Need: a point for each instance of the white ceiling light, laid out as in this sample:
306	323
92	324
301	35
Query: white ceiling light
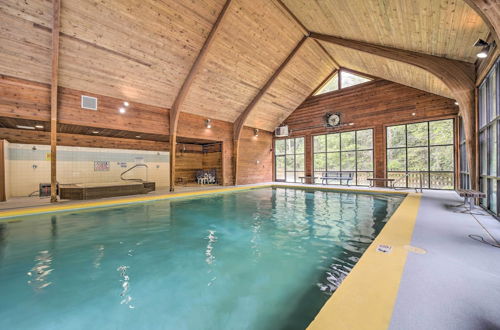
24	127
122	110
126	104
485	48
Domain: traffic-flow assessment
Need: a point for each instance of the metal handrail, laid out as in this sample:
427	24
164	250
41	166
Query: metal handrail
407	175
130	169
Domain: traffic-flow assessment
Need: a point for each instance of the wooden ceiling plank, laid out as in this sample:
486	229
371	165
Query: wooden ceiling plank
240	122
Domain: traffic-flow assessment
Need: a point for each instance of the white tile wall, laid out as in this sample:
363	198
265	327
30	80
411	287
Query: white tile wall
28	168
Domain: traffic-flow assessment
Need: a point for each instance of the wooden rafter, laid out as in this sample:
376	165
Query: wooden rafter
240	122
458	76
304	29
489	10
56	26
181	96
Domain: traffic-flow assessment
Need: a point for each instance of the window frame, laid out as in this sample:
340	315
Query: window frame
428	173
296	177
340	152
338	73
486	125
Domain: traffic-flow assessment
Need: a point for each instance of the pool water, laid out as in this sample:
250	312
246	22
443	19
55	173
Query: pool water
257	259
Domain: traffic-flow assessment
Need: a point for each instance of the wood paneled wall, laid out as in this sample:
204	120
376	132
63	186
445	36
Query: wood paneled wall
22	99
256	157
375	105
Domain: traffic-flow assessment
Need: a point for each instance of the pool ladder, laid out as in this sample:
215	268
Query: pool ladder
130	169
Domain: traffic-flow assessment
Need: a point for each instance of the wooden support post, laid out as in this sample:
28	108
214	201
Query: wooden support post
181	96
3	195
239	123
56	25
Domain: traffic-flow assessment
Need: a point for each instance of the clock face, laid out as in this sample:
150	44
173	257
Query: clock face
333	119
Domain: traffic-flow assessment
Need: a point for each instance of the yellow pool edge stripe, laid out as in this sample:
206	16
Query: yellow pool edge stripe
366	298
117	202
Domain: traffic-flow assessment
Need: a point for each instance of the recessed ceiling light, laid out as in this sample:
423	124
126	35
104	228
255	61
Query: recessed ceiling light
24	127
122	110
39	126
95	132
126	104
484	52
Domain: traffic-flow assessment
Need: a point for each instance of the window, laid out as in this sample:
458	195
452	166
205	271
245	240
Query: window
350	152
422	151
489	137
341	79
289	159
464	168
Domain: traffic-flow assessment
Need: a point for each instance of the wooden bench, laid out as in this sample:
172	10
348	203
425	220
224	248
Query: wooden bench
340	176
385	180
307	177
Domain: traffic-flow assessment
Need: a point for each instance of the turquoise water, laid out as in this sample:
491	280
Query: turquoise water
257	259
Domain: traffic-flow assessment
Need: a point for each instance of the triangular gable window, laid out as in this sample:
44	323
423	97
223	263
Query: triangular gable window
329	86
340	80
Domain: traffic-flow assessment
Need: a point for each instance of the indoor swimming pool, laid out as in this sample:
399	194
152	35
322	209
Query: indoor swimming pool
265	258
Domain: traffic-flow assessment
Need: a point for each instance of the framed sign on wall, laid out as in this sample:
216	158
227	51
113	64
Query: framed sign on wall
101	165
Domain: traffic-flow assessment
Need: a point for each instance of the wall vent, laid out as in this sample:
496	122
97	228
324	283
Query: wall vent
89	102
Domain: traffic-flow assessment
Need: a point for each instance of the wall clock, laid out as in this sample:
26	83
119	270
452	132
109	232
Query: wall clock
332	119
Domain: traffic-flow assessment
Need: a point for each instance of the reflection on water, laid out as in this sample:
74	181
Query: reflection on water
125	281
210	258
258	259
41	270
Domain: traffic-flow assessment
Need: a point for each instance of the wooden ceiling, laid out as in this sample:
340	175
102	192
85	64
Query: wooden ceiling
437	27
388	69
142	50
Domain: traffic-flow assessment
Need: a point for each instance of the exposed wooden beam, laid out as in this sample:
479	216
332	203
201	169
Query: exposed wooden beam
240	122
489	10
181	96
458	76
56	26
304	29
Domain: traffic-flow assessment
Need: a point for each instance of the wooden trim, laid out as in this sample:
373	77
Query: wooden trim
56	26
181	96
239	123
3	194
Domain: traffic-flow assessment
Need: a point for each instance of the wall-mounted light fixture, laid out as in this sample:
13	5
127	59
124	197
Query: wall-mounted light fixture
39	126
122	110
256	132
208	123
413	114
485	48
95	132
126	104
456	103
